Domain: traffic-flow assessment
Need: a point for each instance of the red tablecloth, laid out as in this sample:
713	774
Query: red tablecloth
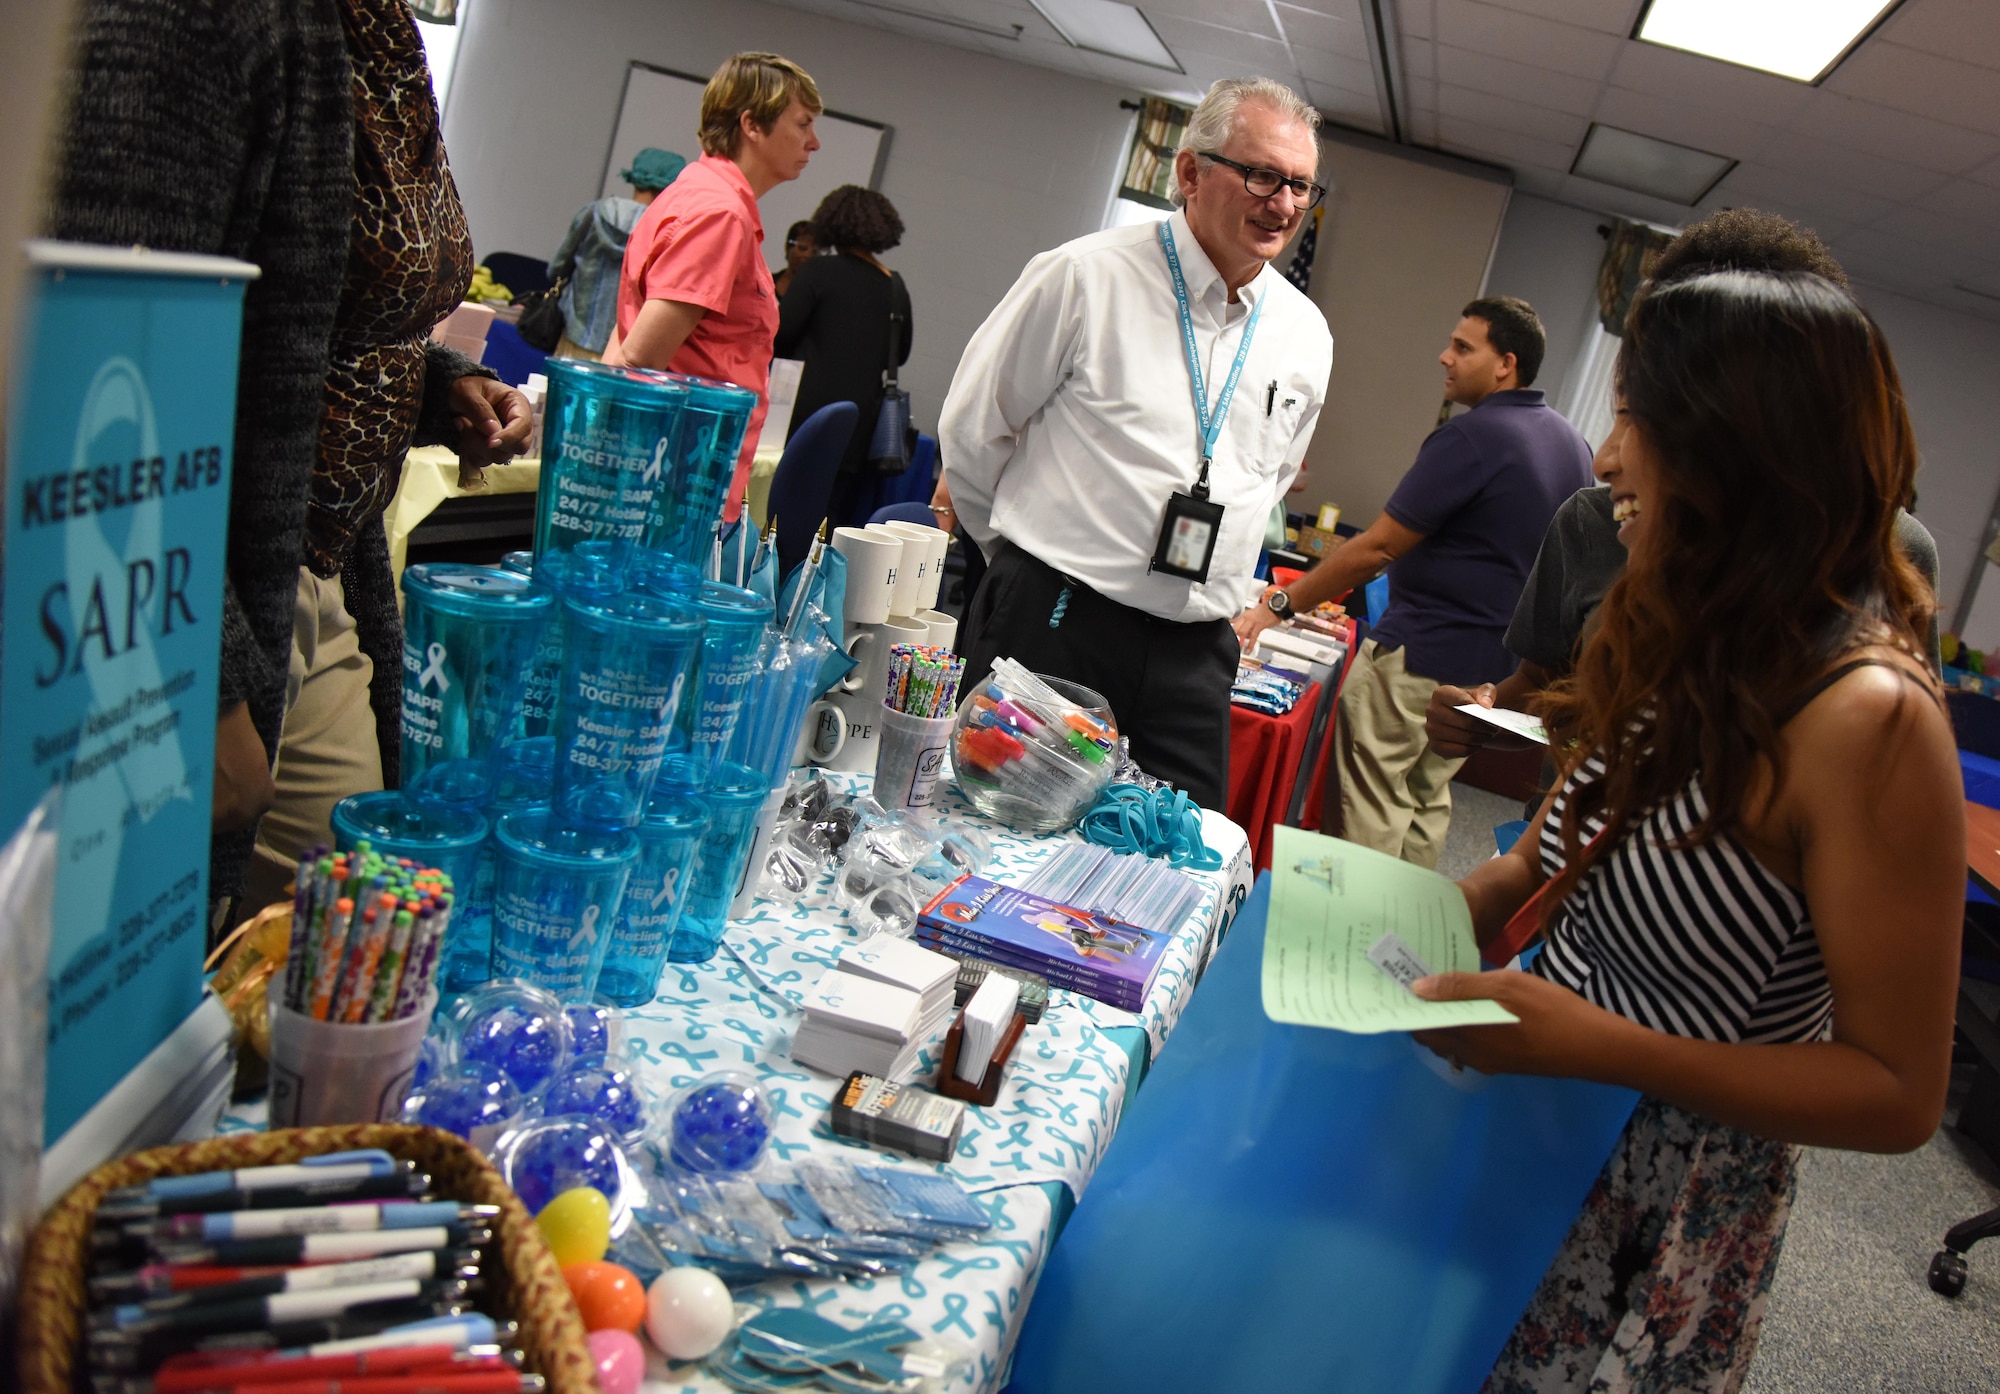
1264	756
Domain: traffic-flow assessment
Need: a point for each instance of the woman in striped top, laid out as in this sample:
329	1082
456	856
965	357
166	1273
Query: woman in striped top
1749	880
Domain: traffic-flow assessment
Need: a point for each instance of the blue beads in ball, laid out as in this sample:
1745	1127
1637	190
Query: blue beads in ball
474	1101
553	1155
592	1028
721	1124
600	1090
518	1029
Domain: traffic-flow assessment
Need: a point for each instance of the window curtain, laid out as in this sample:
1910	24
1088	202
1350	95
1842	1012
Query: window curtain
1630	253
1149	171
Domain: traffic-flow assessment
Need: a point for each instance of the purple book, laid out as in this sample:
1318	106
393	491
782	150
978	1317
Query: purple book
1080	948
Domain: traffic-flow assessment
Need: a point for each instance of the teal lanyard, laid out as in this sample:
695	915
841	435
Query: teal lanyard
1210	426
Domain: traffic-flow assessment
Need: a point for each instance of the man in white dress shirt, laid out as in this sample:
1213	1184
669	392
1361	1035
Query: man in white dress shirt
1123	526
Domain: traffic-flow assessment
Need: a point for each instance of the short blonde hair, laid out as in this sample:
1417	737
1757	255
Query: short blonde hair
762	84
1213	122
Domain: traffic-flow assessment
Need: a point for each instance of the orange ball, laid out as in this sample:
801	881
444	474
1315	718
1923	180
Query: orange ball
608	1296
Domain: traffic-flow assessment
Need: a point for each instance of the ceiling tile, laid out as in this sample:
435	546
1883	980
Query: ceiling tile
1920	260
1704	128
1588	193
1611	16
1898	135
1251	52
1961	29
1419	60
1563	91
1968	199
1921	83
1525	38
1543	123
1333	33
1848	168
1698	81
1923	227
1753	185
1504	147
1337	68
1346	106
1415	19
1248	16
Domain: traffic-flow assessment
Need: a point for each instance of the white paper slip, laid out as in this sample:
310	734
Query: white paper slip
1520	723
986	1018
1398	960
900	963
864	1006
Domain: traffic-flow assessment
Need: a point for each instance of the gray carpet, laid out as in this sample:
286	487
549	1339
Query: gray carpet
1850	1310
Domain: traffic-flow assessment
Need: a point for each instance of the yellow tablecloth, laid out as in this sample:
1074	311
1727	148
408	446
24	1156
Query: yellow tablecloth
763	465
430	476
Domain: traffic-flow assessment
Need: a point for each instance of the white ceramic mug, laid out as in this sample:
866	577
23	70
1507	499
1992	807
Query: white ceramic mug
874	562
822	734
909	571
924	587
942	628
869	644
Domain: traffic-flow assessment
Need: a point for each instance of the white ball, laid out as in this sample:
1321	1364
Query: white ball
688	1312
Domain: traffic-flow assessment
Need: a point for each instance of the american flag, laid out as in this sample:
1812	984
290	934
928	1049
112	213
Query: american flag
1300	272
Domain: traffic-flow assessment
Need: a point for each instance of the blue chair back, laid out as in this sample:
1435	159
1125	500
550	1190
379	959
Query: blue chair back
905	513
804	481
1377	592
511	356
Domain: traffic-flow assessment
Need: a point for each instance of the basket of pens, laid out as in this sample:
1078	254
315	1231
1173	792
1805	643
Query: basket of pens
359	986
1033	751
320	1254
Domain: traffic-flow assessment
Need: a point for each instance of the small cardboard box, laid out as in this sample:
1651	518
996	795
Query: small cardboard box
1319	542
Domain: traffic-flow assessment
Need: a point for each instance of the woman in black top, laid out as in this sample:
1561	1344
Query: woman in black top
835	316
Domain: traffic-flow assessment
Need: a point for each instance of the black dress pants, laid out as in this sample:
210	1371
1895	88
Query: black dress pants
1167	683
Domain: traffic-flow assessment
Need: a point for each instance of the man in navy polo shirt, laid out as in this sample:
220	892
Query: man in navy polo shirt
1457	537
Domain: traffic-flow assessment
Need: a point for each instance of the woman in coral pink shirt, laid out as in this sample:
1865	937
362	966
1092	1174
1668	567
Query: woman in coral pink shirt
695	296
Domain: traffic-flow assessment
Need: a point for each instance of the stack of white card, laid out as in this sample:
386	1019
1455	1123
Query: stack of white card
855	1023
904	963
987	1017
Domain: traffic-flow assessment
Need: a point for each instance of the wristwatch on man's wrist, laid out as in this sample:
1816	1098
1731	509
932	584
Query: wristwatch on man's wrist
1278	602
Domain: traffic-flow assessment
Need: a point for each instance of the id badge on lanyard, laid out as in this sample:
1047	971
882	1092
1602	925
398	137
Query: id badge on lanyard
1193	522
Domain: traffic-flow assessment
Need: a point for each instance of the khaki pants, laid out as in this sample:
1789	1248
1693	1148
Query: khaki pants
567	347
1395	791
329	748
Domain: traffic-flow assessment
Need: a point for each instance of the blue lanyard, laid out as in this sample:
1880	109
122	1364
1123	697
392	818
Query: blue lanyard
1210	426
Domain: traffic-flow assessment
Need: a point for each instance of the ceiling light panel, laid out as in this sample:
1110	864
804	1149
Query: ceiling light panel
1107	27
1800	39
1627	160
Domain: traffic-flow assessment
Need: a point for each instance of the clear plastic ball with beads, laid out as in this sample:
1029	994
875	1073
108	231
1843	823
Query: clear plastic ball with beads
721	1123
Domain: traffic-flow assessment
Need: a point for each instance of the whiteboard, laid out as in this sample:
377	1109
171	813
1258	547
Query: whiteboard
663	108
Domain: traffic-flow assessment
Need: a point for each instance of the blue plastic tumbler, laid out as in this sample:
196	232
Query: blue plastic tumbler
733	797
523	777
520	563
450	839
468	633
607	439
626	662
586	572
734	623
654	898
556	893
708	438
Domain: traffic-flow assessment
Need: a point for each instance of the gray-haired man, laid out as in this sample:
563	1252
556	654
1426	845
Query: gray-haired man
1122	522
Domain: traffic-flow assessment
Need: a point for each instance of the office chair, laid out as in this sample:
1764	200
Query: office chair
804	479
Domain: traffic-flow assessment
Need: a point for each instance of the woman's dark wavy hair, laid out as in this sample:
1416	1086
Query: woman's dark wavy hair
856	219
1772	410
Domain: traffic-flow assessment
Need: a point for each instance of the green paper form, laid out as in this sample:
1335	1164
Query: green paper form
1331	903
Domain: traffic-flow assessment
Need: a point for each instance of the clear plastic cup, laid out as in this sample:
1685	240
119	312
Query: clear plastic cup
734	623
708	437
452	840
734	796
909	758
607	438
333	1072
468	635
626	665
654	898
556	893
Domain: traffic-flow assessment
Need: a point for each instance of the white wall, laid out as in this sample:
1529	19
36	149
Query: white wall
989	162
1548	256
1949	363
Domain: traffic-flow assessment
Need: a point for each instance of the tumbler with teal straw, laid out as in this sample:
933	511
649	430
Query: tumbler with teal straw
655	898
733	797
734	623
608	436
448	839
708	438
626	664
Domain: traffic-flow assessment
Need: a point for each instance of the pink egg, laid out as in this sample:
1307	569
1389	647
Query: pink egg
621	1360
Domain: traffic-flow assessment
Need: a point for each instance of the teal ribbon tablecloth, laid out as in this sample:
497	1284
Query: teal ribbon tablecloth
1027	1158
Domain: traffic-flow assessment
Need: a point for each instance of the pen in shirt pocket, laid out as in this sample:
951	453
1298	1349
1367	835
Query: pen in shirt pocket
1270	396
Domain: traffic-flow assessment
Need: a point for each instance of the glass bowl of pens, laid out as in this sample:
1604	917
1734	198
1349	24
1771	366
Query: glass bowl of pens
1033	751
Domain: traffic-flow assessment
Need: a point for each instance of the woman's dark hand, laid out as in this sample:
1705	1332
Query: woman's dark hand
494	422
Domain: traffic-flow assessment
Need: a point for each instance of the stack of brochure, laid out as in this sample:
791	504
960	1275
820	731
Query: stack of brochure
900	963
1074	946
